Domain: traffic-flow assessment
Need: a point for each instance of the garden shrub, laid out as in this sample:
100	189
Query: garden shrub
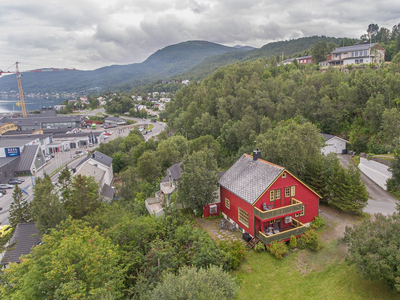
293	242
311	240
318	222
259	247
236	250
278	249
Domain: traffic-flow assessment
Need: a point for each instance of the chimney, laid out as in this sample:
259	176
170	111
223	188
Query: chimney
256	154
93	156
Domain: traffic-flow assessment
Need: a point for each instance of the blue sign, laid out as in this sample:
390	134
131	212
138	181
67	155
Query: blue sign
10	152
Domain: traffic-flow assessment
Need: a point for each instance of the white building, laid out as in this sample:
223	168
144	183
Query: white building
333	144
356	54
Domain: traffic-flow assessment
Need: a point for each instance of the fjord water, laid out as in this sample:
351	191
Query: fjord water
10	105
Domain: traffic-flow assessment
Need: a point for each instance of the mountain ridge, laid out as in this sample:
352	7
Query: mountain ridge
194	59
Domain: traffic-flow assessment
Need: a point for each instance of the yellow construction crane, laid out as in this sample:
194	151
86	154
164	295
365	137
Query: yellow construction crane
20	90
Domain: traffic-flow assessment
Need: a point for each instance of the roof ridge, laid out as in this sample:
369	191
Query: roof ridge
270	163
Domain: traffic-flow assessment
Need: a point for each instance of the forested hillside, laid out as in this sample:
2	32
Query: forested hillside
287	48
239	103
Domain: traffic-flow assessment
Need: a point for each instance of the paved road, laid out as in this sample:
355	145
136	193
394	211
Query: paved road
380	201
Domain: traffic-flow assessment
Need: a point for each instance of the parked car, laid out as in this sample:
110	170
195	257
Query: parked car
90	145
13	181
6	186
3	192
48	158
78	151
18	179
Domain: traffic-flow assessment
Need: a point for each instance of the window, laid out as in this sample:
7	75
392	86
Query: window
271	195
274	221
302	212
243	217
278	194
284	175
361	61
293	191
296	215
365	52
227	203
287	192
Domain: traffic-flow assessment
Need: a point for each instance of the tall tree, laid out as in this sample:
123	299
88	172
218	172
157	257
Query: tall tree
47	210
20	210
319	51
291	145
74	262
148	167
346	190
393	184
374	249
198	181
193	283
64	179
84	197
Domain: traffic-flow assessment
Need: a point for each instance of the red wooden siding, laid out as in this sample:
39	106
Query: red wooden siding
232	213
206	210
303	194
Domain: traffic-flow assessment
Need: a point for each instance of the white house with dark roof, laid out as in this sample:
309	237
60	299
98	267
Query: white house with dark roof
99	166
333	144
356	54
101	161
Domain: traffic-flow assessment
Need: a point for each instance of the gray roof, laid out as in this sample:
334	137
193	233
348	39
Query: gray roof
6	160
39	120
352	48
175	171
327	136
248	179
27	236
27	157
99	157
108	191
304	57
12	142
91	170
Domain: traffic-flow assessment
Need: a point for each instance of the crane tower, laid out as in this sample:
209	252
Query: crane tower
21	91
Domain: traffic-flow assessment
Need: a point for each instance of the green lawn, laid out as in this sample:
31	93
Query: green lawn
148	127
306	275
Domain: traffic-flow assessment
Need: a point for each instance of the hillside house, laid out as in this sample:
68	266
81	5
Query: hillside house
356	54
168	186
265	200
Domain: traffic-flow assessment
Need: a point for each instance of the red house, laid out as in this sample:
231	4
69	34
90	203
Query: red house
265	200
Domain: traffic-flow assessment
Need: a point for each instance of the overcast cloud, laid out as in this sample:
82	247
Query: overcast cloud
88	34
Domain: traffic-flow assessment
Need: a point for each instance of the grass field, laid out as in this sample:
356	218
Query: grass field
306	275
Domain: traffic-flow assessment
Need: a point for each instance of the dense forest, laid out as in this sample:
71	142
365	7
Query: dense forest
240	102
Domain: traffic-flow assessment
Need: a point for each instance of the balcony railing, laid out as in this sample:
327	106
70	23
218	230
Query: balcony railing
299	228
167	187
296	206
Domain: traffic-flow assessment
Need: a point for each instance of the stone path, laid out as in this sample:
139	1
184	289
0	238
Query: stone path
212	226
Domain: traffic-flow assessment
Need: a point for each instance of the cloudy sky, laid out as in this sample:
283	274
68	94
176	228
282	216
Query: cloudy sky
88	34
